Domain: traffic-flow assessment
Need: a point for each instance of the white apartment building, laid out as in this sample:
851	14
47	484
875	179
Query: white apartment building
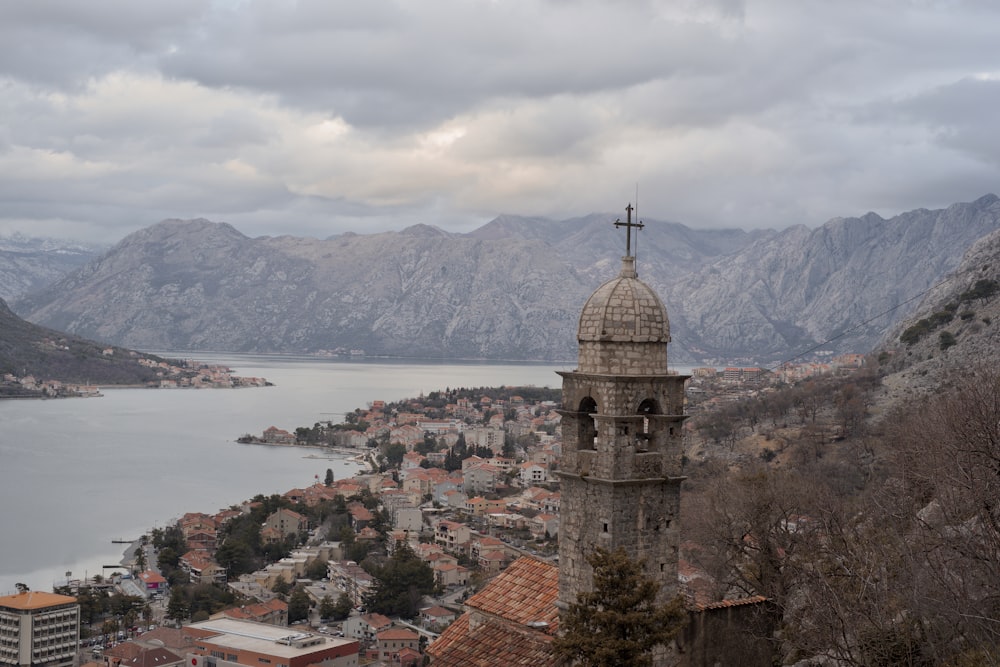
38	628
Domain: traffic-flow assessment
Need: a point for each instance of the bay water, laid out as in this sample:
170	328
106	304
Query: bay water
76	474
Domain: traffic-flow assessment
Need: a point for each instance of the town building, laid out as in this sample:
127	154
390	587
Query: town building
451	534
38	628
226	642
366	626
137	653
437	617
271	612
283	523
392	641
152	582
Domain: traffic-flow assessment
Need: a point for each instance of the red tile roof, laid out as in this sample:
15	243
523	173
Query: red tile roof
526	592
510	622
172	638
438	611
154	657
739	602
377	621
397	634
124	651
151	577
490	644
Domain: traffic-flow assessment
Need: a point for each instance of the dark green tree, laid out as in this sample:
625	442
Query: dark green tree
298	605
327	607
430	444
236	556
394	454
167	560
91	604
328	480
342	608
140	559
317	570
281	588
400	584
177	607
618	624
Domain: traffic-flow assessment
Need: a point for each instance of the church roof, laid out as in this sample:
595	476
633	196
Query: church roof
624	309
510	622
526	592
490	644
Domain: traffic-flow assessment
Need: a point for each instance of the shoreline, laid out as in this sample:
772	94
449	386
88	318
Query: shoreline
359	457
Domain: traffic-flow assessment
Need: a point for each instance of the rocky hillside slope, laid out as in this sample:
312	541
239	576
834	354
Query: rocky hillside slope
955	326
28	349
512	289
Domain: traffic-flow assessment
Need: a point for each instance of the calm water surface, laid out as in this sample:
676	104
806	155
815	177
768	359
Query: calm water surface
76	474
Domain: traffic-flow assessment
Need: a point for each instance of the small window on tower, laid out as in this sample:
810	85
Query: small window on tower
605	527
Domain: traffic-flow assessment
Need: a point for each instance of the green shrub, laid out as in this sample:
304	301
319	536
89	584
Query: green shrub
916	332
942	317
983	289
947	339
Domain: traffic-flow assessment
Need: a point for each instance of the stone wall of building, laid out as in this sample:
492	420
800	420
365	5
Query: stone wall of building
637	516
738	633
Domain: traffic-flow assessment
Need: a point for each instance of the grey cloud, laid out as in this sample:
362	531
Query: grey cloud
115	114
408	67
961	116
63	43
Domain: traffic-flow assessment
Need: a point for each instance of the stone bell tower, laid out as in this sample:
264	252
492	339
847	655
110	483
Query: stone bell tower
622	413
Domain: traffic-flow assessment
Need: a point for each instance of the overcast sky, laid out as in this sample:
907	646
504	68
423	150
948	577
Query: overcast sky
321	116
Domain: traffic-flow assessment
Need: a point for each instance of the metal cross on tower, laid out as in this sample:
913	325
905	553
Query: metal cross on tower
628	225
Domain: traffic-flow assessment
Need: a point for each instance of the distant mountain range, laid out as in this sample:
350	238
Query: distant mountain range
28	264
511	289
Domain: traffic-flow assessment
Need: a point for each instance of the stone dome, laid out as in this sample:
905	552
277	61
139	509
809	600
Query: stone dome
624	309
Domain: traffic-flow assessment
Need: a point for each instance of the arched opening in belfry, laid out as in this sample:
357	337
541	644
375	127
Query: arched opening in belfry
647	407
588	427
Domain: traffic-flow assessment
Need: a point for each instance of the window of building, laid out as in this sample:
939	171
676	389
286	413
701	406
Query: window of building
588	427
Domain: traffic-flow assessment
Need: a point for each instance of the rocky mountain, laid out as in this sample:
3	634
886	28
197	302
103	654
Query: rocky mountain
835	288
667	250
28	264
512	289
421	292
